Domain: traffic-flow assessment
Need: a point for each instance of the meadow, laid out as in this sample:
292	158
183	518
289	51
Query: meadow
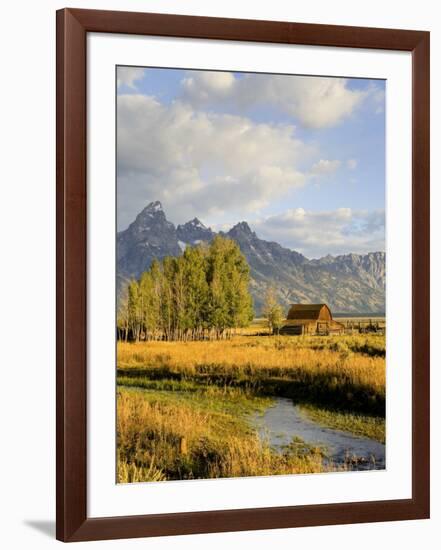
184	407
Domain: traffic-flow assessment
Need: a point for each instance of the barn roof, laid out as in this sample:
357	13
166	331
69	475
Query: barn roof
307	311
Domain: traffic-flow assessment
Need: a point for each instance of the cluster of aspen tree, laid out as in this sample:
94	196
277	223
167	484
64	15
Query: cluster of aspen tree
202	294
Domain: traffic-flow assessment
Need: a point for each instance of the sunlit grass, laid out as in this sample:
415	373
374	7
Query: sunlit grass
339	371
173	437
184	407
373	427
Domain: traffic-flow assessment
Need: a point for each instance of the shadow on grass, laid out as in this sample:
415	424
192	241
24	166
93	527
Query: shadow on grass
318	389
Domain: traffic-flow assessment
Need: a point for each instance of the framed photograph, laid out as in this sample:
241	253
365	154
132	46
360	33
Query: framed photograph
242	274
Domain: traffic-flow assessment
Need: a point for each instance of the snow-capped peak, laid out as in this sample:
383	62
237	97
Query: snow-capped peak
195	222
151	209
155	206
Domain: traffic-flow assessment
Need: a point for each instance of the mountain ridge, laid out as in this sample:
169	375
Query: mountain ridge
349	283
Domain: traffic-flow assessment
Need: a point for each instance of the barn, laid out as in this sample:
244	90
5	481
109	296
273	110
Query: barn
310	319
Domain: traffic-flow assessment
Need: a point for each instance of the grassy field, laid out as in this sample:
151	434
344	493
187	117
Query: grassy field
183	406
359	424
201	435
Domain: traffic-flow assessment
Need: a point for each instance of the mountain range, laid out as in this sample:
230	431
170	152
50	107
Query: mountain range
349	283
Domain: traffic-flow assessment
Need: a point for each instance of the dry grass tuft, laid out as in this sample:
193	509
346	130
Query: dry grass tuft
150	435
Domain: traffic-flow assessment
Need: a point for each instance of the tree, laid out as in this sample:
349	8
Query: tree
154	305
217	278
206	290
122	317
150	303
272	311
135	314
238	297
168	298
194	265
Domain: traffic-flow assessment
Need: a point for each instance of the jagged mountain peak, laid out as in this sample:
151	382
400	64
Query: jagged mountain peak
151	218
196	222
152	209
194	232
154	206
241	228
348	283
150	236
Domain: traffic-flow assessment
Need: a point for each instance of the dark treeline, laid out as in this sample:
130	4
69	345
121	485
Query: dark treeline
203	294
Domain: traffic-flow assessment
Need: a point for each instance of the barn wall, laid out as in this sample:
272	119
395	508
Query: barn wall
325	314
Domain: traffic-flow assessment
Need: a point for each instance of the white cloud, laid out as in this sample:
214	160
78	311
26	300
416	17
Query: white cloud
127	76
316	102
352	164
325	167
206	84
317	233
202	164
378	99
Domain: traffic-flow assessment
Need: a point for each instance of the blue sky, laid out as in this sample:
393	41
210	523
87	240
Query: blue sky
301	159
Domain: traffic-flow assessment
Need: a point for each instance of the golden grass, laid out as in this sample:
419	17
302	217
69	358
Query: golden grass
372	427
150	433
254	356
192	420
131	473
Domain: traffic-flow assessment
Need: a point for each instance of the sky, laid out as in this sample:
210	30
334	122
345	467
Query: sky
300	158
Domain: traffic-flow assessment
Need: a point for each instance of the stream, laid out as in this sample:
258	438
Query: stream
283	421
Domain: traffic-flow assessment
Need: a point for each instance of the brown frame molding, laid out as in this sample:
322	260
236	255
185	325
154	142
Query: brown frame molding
71	506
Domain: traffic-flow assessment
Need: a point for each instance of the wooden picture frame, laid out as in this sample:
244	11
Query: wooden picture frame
71	506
